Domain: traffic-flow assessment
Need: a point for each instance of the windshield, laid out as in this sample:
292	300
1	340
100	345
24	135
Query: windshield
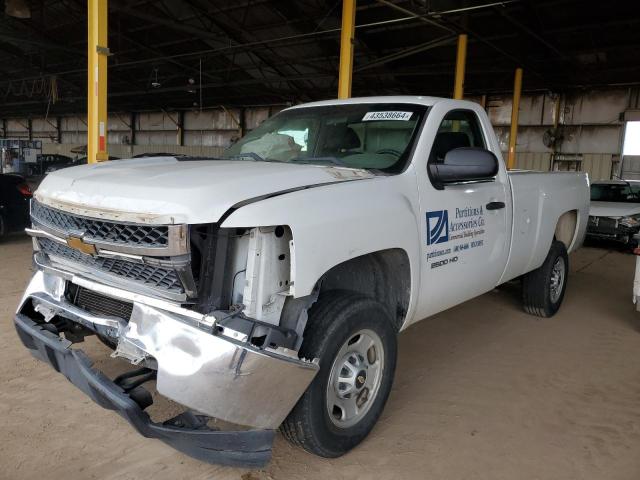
615	193
369	136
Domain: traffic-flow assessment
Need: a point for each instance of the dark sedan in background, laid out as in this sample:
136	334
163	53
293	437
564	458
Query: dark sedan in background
15	194
46	161
72	163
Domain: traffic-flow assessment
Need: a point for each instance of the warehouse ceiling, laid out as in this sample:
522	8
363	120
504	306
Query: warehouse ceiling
188	54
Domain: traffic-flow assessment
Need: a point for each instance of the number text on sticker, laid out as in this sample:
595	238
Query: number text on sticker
369	116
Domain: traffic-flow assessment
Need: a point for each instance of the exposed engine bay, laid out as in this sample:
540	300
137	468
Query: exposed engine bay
246	274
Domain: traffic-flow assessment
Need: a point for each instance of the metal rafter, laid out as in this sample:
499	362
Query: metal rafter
553	45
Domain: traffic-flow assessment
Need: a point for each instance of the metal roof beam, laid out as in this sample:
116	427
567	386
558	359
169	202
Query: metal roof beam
438	42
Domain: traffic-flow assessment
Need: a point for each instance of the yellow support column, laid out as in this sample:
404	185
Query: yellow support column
346	48
461	60
98	52
513	135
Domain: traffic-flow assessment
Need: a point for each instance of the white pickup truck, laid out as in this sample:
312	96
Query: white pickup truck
267	288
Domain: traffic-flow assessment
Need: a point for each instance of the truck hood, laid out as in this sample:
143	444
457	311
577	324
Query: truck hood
164	190
613	209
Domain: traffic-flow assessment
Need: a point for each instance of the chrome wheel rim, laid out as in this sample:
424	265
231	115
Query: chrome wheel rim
356	375
558	272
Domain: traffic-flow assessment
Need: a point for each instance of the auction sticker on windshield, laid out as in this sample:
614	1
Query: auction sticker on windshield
404	116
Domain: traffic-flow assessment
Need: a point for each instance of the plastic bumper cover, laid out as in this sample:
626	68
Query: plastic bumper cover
237	448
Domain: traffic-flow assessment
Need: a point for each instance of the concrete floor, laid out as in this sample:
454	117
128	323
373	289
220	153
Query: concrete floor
482	391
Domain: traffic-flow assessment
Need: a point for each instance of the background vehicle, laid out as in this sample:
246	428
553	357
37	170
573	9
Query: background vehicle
48	161
72	163
161	154
636	280
267	288
15	195
614	213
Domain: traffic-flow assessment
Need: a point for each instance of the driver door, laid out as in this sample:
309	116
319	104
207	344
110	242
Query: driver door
466	237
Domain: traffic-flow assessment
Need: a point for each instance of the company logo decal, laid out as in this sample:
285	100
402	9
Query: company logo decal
463	233
437	227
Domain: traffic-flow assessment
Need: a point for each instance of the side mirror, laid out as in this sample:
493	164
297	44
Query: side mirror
465	164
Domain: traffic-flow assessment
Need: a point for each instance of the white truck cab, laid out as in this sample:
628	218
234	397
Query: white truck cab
266	288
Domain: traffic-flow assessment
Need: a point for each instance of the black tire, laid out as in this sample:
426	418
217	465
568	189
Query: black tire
537	292
337	317
631	244
3	227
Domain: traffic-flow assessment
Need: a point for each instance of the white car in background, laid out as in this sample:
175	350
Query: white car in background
615	211
636	281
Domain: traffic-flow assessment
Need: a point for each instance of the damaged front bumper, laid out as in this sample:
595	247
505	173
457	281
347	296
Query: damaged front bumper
188	434
606	228
206	370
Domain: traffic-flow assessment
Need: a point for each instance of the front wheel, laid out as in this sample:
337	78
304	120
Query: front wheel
354	339
543	289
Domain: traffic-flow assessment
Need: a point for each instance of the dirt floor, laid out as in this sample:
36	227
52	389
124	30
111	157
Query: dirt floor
482	391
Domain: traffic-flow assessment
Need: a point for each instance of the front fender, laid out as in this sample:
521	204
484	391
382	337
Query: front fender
335	223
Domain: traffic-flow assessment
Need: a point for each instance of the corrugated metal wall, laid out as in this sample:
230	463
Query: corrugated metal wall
204	133
590	123
124	151
597	165
532	160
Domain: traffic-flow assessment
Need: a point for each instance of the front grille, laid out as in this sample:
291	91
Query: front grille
148	275
151	236
98	304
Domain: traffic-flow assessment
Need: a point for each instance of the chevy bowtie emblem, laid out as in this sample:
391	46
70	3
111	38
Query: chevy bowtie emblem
79	244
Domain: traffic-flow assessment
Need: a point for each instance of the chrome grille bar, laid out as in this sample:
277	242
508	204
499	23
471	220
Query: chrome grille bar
138	239
160	278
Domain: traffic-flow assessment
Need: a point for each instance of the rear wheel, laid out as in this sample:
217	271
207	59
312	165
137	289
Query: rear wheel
354	339
543	289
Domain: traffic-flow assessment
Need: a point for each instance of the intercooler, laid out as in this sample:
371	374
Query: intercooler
98	304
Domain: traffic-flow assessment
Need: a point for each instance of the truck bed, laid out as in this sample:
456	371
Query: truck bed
539	199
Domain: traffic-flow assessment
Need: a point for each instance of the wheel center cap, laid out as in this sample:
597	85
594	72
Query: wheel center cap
361	379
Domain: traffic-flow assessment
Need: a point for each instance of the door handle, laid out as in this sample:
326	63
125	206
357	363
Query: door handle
495	205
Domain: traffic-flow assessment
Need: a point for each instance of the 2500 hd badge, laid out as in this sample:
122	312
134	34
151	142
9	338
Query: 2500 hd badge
446	261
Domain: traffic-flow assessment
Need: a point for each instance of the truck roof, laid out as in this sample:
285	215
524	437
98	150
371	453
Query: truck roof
414	99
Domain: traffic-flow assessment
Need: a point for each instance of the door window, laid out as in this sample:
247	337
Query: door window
459	128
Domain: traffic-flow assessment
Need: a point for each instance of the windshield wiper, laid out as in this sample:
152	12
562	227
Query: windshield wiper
300	160
313	160
250	155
